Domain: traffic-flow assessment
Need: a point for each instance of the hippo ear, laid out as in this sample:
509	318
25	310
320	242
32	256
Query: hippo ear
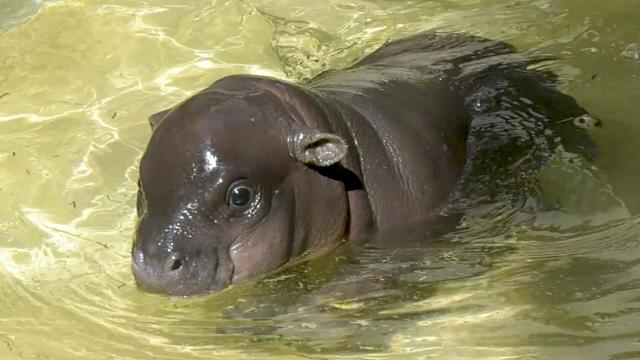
317	148
156	119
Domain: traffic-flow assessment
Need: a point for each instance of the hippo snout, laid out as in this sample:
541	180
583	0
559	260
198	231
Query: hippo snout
173	274
158	275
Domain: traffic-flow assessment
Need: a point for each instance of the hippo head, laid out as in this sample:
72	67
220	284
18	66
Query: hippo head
231	188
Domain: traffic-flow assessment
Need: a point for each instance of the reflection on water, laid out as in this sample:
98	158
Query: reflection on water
557	278
15	12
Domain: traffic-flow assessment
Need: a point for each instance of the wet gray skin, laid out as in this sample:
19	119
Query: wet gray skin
254	173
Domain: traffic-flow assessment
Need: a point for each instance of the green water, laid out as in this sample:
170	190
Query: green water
79	78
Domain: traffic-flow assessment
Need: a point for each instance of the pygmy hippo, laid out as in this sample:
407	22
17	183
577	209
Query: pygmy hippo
253	173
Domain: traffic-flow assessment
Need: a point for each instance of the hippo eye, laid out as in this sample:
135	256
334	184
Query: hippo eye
240	195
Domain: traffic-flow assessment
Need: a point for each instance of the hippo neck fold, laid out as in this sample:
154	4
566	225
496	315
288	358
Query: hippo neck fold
339	120
389	137
310	109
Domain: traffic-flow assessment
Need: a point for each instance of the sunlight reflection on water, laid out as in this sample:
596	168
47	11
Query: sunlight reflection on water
80	79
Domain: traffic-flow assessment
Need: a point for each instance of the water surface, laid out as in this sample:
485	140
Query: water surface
78	79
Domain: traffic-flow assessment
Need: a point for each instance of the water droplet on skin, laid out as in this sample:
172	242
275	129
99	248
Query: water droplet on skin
210	161
482	100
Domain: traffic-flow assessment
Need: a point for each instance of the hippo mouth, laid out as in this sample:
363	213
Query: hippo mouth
223	272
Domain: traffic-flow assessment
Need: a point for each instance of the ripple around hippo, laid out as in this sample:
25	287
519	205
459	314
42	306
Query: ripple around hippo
554	278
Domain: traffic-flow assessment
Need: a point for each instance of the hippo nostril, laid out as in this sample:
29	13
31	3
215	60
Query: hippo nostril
174	263
177	264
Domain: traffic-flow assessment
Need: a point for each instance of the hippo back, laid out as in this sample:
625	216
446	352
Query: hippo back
439	117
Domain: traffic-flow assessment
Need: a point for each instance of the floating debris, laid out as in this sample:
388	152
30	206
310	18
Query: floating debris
587	122
632	52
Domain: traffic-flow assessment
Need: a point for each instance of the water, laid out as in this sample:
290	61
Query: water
79	78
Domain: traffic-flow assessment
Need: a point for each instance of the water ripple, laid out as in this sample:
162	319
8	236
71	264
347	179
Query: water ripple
548	278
